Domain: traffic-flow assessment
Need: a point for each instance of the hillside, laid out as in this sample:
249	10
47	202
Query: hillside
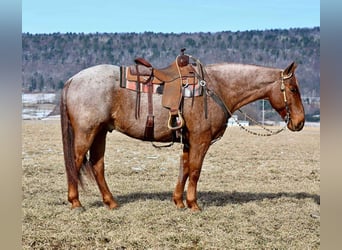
48	60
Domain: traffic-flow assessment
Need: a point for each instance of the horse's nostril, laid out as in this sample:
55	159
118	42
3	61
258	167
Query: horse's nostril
300	126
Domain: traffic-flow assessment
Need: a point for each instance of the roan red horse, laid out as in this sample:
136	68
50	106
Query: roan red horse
93	103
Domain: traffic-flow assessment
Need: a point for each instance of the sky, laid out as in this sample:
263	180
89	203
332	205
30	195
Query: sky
175	16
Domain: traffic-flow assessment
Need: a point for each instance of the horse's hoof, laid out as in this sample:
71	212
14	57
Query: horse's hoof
181	207
179	204
113	206
78	210
194	207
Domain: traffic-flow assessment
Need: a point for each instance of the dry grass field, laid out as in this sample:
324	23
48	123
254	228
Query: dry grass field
255	193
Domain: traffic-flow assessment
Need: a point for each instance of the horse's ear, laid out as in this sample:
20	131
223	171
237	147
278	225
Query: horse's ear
291	68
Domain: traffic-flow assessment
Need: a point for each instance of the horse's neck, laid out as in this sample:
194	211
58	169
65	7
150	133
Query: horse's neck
240	84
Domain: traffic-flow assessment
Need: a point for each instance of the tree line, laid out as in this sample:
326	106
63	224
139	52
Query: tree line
50	59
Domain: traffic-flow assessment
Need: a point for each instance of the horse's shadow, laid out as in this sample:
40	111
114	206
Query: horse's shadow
209	198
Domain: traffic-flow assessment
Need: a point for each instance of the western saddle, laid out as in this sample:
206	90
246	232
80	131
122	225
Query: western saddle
177	75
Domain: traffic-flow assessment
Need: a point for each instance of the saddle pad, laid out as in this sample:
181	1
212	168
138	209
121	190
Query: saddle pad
126	82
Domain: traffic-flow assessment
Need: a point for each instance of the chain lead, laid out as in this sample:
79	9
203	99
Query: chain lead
270	132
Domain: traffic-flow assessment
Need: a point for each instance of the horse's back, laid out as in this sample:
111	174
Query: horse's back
90	95
96	76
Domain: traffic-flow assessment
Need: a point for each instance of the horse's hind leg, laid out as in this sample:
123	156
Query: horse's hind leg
97	151
82	144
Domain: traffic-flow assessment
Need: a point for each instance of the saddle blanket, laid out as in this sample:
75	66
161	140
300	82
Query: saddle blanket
188	91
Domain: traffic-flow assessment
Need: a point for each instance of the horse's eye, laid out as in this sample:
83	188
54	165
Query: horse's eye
293	89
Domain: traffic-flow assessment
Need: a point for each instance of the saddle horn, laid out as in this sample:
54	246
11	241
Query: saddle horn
182	59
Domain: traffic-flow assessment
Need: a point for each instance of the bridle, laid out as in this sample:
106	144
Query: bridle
282	89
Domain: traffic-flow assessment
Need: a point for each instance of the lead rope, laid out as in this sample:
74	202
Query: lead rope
270	132
219	101
287	117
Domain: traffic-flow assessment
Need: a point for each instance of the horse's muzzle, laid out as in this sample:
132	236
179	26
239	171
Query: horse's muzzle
296	126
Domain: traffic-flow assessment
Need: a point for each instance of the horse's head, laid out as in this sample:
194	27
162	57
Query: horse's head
286	99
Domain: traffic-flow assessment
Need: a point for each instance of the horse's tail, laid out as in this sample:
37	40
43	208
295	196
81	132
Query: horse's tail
68	139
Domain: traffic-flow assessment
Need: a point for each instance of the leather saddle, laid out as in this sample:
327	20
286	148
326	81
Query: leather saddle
180	73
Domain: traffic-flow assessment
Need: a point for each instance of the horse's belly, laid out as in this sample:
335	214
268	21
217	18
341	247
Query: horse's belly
127	123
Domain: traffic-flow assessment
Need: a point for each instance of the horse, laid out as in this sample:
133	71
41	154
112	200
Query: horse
93	104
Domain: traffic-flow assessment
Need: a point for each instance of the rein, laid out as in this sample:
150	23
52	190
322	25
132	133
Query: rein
286	119
270	132
229	114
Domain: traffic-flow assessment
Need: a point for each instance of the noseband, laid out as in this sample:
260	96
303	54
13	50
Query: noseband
282	89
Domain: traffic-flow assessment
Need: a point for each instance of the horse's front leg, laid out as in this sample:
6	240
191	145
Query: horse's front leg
196	157
183	176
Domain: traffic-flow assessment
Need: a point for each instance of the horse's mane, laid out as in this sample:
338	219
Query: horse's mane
233	64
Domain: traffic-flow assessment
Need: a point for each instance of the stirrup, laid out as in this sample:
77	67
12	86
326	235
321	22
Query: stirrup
178	123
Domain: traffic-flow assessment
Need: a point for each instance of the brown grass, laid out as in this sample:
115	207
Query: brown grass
256	193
